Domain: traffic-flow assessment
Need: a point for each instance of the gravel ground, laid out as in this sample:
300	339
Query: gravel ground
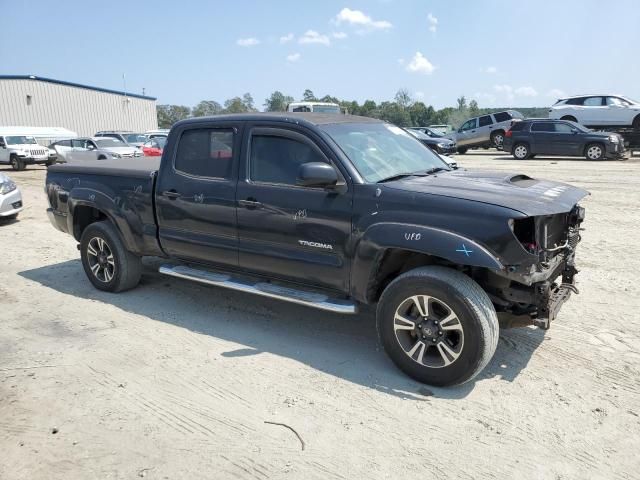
177	380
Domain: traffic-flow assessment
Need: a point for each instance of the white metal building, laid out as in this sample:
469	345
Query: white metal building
27	100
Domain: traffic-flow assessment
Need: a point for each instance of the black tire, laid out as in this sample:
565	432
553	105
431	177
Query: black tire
636	123
594	152
466	345
521	151
569	118
17	164
462	150
497	139
115	269
9	217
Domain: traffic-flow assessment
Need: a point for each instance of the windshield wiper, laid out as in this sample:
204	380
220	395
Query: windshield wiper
398	176
436	170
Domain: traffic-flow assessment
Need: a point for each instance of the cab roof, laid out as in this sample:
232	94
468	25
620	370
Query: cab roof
308	118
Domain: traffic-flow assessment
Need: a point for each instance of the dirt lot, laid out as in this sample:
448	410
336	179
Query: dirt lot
176	380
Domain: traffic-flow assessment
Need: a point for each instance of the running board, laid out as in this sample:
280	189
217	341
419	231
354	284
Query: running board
301	297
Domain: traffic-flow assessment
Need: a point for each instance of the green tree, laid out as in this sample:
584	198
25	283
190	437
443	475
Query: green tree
308	96
170	114
403	98
420	114
394	113
235	105
474	110
247	100
462	103
277	102
329	99
368	108
206	108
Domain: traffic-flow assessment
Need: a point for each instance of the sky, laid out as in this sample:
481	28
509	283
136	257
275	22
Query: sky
500	53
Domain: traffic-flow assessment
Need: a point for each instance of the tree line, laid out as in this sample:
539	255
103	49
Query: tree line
403	110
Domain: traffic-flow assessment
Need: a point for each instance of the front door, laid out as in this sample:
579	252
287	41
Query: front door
195	194
467	133
565	139
4	151
285	230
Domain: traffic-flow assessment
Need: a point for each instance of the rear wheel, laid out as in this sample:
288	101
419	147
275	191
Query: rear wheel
437	325
497	139
569	118
636	123
521	151
106	261
462	150
594	151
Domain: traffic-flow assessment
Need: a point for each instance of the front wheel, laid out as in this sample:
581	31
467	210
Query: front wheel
594	151
17	164
106	262
462	150
437	325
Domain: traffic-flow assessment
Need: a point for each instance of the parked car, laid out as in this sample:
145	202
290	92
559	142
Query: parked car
598	111
444	129
22	150
154	147
10	198
438	144
532	137
333	212
485	130
96	148
162	132
131	138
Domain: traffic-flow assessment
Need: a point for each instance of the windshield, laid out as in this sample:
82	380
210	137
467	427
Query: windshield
380	150
135	138
326	109
21	140
109	142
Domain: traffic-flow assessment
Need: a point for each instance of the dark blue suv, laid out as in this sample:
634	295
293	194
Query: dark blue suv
532	137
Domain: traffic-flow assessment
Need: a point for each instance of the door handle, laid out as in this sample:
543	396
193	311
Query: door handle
171	194
250	203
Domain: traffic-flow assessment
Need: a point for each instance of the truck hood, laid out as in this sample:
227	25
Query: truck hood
515	191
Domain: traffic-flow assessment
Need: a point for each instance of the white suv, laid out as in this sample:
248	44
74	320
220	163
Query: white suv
598	111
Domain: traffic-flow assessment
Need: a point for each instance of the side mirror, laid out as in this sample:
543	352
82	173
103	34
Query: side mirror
317	174
574	130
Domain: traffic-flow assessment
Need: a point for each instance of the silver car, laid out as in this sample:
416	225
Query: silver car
93	148
485	130
10	198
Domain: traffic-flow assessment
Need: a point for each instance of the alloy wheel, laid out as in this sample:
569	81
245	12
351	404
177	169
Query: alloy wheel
520	151
498	140
100	258
428	331
594	152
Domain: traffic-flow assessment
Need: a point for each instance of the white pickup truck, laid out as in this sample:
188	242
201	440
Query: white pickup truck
22	150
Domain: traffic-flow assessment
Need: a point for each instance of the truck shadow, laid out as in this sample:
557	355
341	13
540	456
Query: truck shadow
339	345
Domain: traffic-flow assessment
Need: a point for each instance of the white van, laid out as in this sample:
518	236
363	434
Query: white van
318	107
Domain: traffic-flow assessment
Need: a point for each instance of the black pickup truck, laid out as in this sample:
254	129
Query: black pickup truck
332	212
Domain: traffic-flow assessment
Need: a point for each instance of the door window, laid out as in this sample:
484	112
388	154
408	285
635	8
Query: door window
484	121
277	159
543	127
468	125
79	144
502	116
617	102
205	152
593	102
575	101
563	128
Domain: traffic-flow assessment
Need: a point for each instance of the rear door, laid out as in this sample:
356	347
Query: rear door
542	139
195	193
285	230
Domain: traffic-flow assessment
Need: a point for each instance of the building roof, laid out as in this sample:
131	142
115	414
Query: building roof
292	117
72	84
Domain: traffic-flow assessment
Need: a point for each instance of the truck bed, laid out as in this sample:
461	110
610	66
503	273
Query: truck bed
120	167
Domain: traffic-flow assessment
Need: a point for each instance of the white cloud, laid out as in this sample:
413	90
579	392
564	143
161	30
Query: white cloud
526	92
339	35
507	90
311	36
294	57
433	23
286	38
556	93
420	64
360	19
489	70
248	42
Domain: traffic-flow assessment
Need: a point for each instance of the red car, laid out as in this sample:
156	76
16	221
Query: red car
153	148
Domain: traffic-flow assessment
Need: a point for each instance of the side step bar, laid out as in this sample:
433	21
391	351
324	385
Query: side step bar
301	297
